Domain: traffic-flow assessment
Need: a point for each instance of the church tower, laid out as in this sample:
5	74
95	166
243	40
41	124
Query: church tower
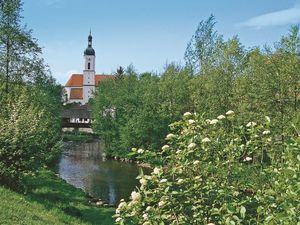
89	71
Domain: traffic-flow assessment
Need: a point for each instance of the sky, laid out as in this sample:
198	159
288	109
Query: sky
146	33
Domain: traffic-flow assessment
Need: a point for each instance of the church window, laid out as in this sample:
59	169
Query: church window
89	66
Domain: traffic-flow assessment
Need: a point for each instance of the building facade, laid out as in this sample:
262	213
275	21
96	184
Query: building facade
81	87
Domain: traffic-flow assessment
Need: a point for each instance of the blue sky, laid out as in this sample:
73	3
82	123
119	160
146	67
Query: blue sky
146	33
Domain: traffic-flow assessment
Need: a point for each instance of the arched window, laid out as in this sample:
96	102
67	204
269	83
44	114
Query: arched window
89	66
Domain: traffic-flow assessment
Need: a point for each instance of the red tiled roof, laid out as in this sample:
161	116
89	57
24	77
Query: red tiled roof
99	78
76	80
76	93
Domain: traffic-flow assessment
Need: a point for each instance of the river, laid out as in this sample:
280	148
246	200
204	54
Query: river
83	166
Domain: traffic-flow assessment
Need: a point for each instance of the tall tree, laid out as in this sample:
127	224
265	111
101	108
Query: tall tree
19	51
203	46
120	73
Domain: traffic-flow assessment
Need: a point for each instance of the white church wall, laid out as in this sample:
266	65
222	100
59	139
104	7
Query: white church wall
88	93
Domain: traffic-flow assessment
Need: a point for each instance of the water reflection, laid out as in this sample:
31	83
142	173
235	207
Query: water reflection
82	165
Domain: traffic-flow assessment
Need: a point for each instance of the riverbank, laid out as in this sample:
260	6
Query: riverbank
78	136
50	200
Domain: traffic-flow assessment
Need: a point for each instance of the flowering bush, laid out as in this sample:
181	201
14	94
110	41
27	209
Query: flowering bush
29	138
215	171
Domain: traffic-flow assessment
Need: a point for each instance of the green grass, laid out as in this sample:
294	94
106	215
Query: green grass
50	201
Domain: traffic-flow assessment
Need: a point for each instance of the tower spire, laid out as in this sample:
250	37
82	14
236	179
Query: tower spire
90	39
89	50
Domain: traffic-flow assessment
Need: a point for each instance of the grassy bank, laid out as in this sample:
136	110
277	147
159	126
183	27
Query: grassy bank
50	200
78	136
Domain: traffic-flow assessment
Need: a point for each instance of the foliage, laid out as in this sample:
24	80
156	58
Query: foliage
218	171
19	52
29	134
30	101
202	49
251	82
135	110
78	136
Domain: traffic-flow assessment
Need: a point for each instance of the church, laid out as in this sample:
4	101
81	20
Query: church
81	87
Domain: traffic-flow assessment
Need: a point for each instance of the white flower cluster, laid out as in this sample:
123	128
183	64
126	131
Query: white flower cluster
247	159
213	121
187	114
135	196
165	147
229	113
221	117
205	140
196	162
156	171
191	121
170	136
251	124
192	145
140	151
143	181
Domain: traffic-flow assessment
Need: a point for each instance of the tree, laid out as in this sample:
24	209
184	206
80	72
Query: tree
19	52
203	46
120	72
30	109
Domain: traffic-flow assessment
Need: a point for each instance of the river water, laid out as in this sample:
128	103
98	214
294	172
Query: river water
83	166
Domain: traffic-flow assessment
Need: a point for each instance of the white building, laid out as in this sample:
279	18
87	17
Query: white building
81	87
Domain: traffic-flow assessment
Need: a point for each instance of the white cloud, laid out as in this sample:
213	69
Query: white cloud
277	18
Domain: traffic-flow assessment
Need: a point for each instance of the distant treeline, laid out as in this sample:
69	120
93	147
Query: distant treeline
219	75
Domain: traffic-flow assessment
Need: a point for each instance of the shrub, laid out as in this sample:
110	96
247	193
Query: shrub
29	137
217	172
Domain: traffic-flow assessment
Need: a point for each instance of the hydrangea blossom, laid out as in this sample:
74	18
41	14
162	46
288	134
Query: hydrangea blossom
214	121
165	147
207	121
135	196
229	113
205	140
251	124
119	219
186	114
140	151
143	181
192	145
178	151
191	121
221	117
247	159
170	136
196	162
145	216
180	181
156	170
161	203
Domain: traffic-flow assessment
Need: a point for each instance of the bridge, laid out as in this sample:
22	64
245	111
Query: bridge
76	117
